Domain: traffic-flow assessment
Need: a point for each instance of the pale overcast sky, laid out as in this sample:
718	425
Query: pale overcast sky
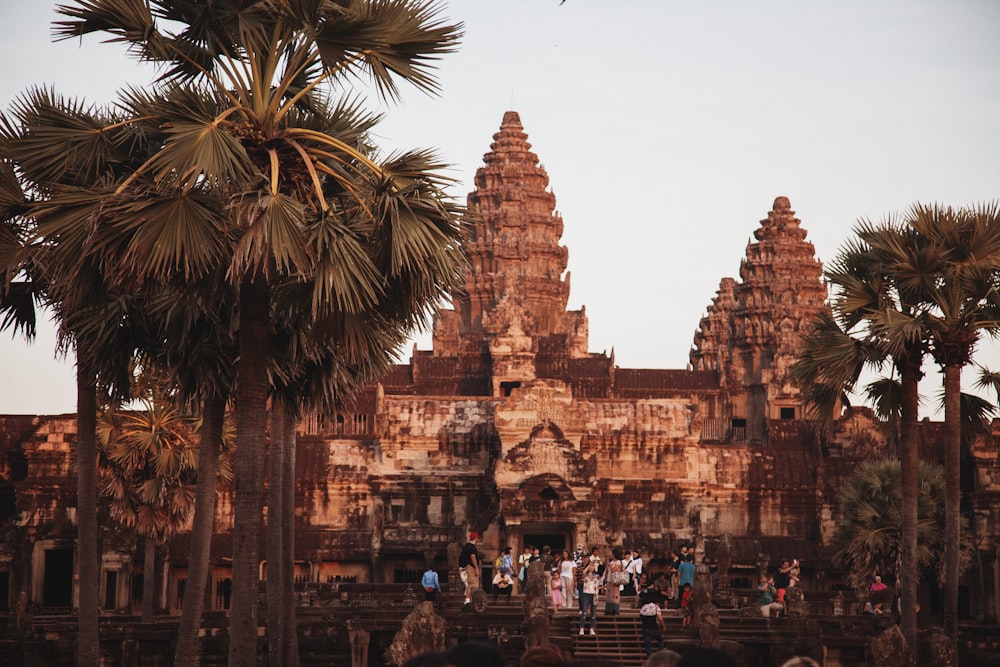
667	129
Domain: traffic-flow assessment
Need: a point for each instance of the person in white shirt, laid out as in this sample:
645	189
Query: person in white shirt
567	572
634	570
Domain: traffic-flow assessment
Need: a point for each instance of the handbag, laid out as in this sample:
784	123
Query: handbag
617	577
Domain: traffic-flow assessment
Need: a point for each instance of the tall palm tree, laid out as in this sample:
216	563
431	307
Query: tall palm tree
245	120
198	346
963	302
322	365
65	163
876	320
147	473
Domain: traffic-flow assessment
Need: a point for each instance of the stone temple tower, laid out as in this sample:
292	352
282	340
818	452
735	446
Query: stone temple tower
751	331
513	307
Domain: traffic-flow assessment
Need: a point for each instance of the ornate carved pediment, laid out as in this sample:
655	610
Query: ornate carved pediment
544	452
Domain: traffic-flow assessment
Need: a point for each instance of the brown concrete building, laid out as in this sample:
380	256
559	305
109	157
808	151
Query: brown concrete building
510	426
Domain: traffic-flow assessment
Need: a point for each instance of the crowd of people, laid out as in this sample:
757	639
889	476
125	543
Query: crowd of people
575	581
774	588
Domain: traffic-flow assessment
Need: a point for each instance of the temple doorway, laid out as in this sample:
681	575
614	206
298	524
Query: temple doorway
557	536
57	590
553	540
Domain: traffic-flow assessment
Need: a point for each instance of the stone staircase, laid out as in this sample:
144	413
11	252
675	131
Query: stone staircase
618	639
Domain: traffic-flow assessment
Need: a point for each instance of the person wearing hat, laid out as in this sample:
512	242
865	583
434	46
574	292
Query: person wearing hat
468	561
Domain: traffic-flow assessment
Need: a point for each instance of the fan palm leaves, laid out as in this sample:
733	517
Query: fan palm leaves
926	283
875	324
248	169
868	539
963	302
56	148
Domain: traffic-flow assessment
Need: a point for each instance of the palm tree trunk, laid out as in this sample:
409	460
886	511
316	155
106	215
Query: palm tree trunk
148	575
251	421
953	498
276	564
89	647
188	650
909	471
289	620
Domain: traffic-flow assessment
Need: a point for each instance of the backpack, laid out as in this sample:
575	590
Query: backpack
499	562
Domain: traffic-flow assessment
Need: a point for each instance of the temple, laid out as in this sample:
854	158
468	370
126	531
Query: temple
512	427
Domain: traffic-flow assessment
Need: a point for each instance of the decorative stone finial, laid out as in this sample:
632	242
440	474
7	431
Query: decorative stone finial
511	118
781	204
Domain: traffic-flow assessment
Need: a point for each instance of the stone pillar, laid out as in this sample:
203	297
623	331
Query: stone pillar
360	639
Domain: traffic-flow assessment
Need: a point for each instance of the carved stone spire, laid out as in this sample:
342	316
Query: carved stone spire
513	244
711	340
752	337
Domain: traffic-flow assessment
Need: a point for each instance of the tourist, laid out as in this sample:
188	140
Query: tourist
555	590
766	601
795	575
503	584
873	607
651	619
590	583
876	598
782	579
522	565
634	570
707	657
686	605
686	571
431	584
672	574
567	573
612	583
505	563
468	561
664	658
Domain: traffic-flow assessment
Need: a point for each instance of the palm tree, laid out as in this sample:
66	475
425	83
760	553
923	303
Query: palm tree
65	162
147	475
322	366
244	120
867	538
962	302
876	321
199	349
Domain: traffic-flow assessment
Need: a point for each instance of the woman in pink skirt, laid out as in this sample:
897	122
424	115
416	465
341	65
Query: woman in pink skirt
555	586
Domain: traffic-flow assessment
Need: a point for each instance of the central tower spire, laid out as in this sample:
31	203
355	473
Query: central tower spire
510	325
513	244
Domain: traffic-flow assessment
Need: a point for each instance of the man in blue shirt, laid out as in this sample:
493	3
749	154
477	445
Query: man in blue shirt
686	572
431	584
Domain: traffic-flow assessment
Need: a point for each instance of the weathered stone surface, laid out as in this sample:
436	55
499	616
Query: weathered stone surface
536	605
510	426
708	625
701	598
423	631
889	649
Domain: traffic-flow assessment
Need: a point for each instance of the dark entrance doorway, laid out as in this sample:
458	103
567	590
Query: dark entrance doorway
557	541
58	588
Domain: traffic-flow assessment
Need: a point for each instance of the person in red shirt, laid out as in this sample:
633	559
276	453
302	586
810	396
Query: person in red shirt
686	605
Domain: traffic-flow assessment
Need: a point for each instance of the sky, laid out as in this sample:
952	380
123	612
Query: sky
667	129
